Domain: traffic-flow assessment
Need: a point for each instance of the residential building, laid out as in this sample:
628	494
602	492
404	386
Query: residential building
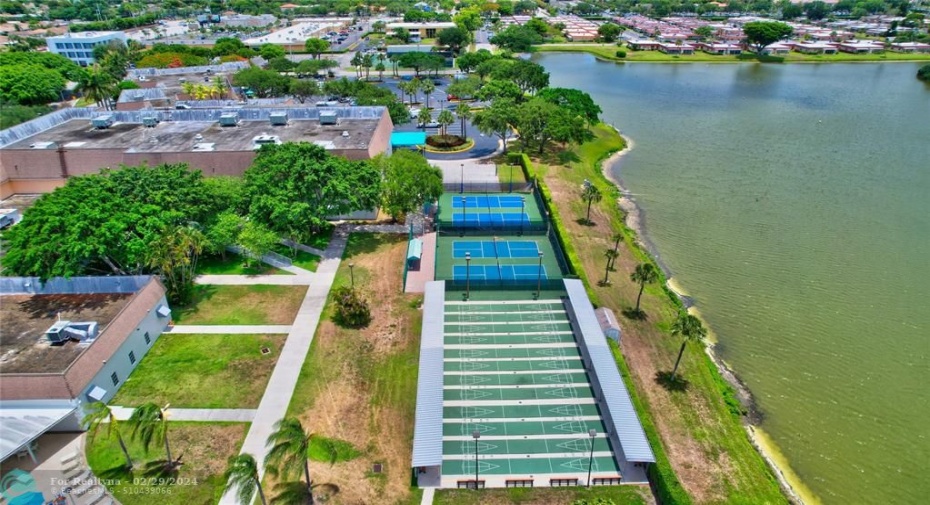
79	46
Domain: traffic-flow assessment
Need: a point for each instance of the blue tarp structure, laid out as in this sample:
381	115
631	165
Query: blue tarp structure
408	139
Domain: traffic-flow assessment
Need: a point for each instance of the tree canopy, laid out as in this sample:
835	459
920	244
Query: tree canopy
578	102
316	47
541	122
264	83
454	38
30	84
762	33
294	187
608	32
517	38
409	182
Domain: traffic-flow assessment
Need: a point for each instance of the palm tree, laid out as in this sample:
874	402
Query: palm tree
97	85
617	238
415	86
644	274
590	195
188	88
464	112
220	86
393	58
99	412
445	119
149	421
288	454
610	254
428	87
380	68
691	329
424	117
242	475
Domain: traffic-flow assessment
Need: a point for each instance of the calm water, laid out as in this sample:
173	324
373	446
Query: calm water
793	203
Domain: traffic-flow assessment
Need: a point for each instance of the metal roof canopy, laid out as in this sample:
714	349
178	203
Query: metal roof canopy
427	431
22	425
613	392
415	249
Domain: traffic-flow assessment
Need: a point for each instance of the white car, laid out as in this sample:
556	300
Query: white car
414	113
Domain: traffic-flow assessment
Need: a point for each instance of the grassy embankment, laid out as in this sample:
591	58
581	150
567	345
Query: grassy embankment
700	427
203	447
360	386
620	495
609	52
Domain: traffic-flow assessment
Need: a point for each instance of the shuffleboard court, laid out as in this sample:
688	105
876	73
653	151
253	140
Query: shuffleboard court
529	466
515	379
524	352
510	394
550	338
513	365
501	307
519	411
496	249
505	328
504	317
582	445
475	201
521	428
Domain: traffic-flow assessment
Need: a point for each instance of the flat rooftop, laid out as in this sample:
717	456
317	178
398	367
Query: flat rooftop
25	318
179	136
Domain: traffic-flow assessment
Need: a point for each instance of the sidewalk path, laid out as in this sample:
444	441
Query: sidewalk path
280	389
206	415
266	329
235	280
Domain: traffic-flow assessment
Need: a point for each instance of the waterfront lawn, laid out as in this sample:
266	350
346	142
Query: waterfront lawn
234	264
619	495
360	386
238	305
203	371
609	52
203	447
700	428
301	259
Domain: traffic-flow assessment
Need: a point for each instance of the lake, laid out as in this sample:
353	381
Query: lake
792	202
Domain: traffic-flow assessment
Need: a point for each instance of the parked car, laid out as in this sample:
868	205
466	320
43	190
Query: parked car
451	97
437	82
414	113
431	124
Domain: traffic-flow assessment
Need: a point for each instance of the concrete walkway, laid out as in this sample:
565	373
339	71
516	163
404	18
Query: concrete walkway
206	415
280	389
236	280
261	329
427	498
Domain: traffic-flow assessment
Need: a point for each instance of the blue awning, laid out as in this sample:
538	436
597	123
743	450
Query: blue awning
408	139
415	249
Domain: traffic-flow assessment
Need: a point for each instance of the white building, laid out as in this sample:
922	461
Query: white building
79	47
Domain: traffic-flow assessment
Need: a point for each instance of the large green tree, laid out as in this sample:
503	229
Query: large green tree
690	329
453	38
497	119
645	273
264	83
30	84
174	255
409	182
762	33
316	47
293	187
496	89
98	86
517	38
469	61
530	76
540	122
579	102
608	32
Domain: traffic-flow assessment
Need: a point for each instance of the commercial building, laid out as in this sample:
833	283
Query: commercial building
427	30
40	155
68	342
79	46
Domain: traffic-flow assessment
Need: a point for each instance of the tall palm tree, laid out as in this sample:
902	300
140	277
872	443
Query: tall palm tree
445	119
428	87
99	413
242	475
220	84
644	274
288	454
610	254
149	421
691	329
424	117
464	112
97	85
616	238
590	195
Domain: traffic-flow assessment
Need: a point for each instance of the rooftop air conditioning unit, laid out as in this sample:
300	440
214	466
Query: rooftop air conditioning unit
229	119
62	331
150	121
328	117
278	118
102	122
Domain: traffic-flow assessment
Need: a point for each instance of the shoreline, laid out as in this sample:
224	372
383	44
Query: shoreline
714	59
791	484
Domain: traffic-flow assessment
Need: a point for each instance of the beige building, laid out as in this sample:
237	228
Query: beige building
38	156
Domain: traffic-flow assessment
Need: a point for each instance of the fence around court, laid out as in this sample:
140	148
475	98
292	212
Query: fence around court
487	187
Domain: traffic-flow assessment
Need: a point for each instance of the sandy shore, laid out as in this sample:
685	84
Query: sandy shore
791	484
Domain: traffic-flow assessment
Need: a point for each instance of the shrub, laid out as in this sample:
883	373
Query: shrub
351	309
171	60
621	54
444	141
924	73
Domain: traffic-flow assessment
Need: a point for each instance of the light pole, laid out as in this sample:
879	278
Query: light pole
522	212
352	273
591	433
468	278
511	178
464	215
476	435
462	187
539	276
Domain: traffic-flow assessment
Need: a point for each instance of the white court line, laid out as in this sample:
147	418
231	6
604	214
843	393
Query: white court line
483	347
556	385
542	455
544	358
553	436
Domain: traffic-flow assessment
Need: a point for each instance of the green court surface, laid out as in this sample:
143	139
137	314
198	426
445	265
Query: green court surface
514	365
555	338
522	428
526	446
560	352
475	307
515	327
450	205
503	317
522	379
446	260
520	411
528	466
509	394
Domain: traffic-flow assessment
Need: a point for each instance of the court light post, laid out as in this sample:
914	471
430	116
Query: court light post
522	212
462	187
468	277
464	221
511	178
476	435
539	276
591	433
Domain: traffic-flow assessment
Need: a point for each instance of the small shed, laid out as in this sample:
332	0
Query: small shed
608	322
414	253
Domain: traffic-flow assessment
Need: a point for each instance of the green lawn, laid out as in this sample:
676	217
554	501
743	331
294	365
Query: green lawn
203	371
300	259
241	305
608	51
203	447
506	173
620	495
234	264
